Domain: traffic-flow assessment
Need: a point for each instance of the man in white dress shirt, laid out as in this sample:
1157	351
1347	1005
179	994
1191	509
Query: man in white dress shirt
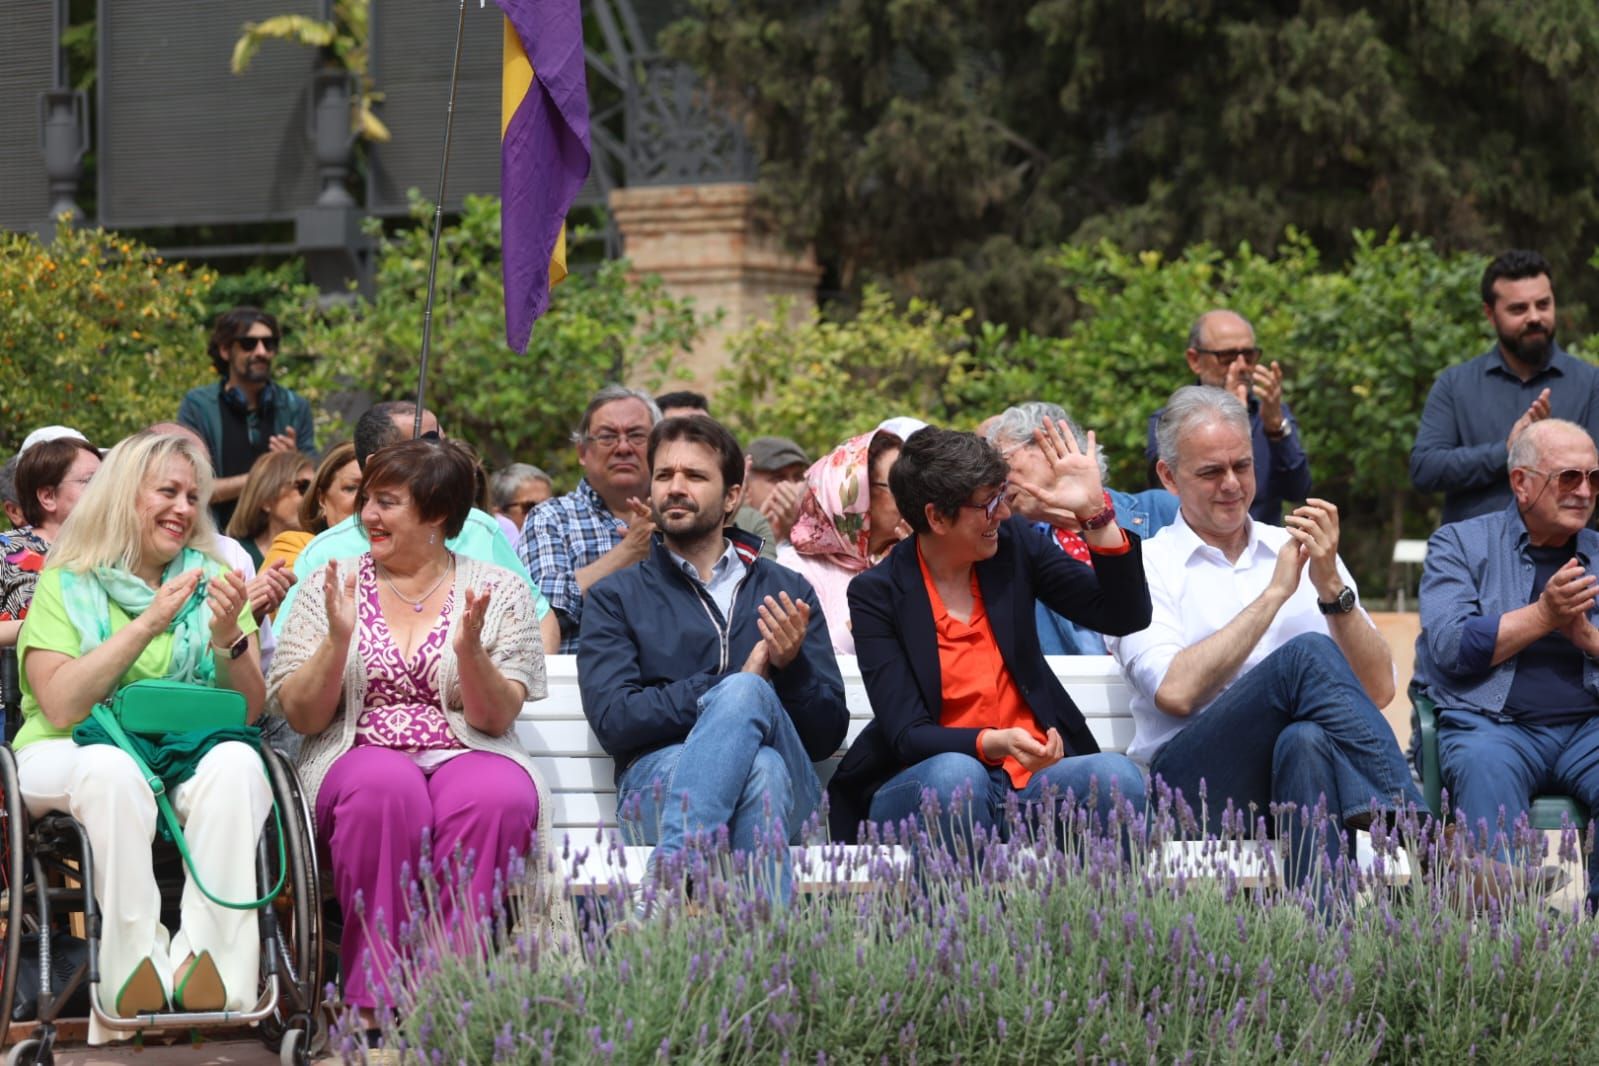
1259	678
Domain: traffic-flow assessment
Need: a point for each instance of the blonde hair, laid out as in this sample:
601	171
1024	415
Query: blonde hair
270	475
104	527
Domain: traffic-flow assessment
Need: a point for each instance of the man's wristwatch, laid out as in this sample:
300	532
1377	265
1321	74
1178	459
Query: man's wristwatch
1343	603
1282	433
233	650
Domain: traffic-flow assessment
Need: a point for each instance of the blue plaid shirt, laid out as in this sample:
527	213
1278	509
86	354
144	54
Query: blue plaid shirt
559	538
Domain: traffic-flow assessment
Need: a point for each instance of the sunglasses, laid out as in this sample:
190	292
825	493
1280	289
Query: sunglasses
991	508
249	344
302	485
1568	480
1229	355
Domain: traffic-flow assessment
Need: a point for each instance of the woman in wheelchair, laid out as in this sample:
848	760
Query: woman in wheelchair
405	668
131	591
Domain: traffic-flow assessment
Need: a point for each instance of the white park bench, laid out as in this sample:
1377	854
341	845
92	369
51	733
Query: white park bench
582	779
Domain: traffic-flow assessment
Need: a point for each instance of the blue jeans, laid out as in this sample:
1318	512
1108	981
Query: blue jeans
972	793
1492	768
742	756
1298	729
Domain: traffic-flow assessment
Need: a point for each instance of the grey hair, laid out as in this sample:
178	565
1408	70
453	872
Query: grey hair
1525	450
504	483
1016	424
610	394
1196	332
1195	405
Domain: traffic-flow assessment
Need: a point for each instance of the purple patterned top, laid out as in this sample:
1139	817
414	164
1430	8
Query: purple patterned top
402	697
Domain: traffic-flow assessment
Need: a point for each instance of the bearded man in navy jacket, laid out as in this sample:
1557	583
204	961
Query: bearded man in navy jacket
706	671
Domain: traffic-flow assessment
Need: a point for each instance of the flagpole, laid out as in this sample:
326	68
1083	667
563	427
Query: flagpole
438	226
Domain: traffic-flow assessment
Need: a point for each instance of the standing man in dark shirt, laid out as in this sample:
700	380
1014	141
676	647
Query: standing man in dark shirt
1223	354
1476	409
245	414
1508	646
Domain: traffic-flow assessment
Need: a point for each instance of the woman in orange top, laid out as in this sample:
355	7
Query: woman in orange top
945	633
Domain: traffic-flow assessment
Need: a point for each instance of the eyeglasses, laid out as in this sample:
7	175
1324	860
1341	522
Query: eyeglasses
77	480
1568	480
249	344
607	440
1006	453
302	485
1229	355
991	508
522	507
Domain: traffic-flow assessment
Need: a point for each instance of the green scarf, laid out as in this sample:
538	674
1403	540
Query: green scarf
88	597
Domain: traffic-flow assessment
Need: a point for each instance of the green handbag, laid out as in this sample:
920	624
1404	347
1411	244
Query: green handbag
156	707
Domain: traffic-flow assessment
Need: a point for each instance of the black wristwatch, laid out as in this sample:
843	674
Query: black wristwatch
1343	604
235	649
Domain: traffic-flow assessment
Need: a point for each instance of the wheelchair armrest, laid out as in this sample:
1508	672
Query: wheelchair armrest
1426	715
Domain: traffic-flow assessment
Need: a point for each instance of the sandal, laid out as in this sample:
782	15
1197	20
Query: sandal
141	993
201	988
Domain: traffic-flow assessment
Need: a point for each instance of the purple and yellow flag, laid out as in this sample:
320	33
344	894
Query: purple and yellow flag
544	151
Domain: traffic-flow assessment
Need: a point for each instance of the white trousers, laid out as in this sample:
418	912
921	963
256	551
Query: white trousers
222	807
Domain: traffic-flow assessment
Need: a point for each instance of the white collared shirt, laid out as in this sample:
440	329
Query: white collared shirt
1195	591
726	573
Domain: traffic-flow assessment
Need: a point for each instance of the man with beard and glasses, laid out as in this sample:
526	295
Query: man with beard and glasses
707	672
1508	648
1477	409
245	414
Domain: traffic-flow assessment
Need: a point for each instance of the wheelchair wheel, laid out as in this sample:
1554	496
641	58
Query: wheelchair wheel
31	1052
298	909
13	830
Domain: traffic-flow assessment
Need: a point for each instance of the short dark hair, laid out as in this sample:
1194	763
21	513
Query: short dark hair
683	398
440	475
44	466
942	467
702	429
376	429
229	327
1514	265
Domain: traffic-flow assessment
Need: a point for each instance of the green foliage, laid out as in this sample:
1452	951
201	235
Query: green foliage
822	381
1048	951
942	145
600	327
87	324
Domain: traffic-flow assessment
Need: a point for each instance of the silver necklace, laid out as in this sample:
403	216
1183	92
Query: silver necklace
416	604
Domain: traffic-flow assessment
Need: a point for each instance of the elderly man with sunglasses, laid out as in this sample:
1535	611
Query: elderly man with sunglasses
245	414
1508	644
1223	354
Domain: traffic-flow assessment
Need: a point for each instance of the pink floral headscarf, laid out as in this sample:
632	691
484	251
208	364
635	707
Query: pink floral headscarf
834	518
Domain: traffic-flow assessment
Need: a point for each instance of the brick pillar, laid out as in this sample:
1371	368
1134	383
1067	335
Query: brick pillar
705	243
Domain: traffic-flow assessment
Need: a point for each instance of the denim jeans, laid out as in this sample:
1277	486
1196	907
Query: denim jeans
1299	729
1492	768
742	756
972	793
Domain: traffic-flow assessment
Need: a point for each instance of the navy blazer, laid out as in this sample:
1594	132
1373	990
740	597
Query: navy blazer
896	646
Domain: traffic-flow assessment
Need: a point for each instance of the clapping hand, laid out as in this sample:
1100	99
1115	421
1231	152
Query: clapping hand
339	599
1568	596
1315	525
1536	411
169	600
1074	492
640	528
1269	387
267	588
226	594
469	637
282	442
782	622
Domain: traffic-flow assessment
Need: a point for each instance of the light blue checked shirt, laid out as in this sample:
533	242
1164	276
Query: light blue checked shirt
559	538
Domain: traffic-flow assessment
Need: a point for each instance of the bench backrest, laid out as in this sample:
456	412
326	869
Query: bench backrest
580	774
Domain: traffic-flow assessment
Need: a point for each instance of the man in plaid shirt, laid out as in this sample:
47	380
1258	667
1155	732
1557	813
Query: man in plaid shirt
604	524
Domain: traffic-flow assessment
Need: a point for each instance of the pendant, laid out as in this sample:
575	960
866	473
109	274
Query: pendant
417	607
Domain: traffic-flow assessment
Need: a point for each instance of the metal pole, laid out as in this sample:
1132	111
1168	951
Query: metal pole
438	225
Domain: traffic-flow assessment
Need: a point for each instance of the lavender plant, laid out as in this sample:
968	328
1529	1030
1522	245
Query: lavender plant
1056	941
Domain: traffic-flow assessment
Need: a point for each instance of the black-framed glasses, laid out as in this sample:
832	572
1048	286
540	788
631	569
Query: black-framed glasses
522	506
991	508
1568	480
302	485
1229	355
249	344
638	438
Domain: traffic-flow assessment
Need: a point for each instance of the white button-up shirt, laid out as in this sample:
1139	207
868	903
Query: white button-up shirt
1196	591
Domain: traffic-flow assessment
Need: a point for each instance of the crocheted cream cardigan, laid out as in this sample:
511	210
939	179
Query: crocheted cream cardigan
510	636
